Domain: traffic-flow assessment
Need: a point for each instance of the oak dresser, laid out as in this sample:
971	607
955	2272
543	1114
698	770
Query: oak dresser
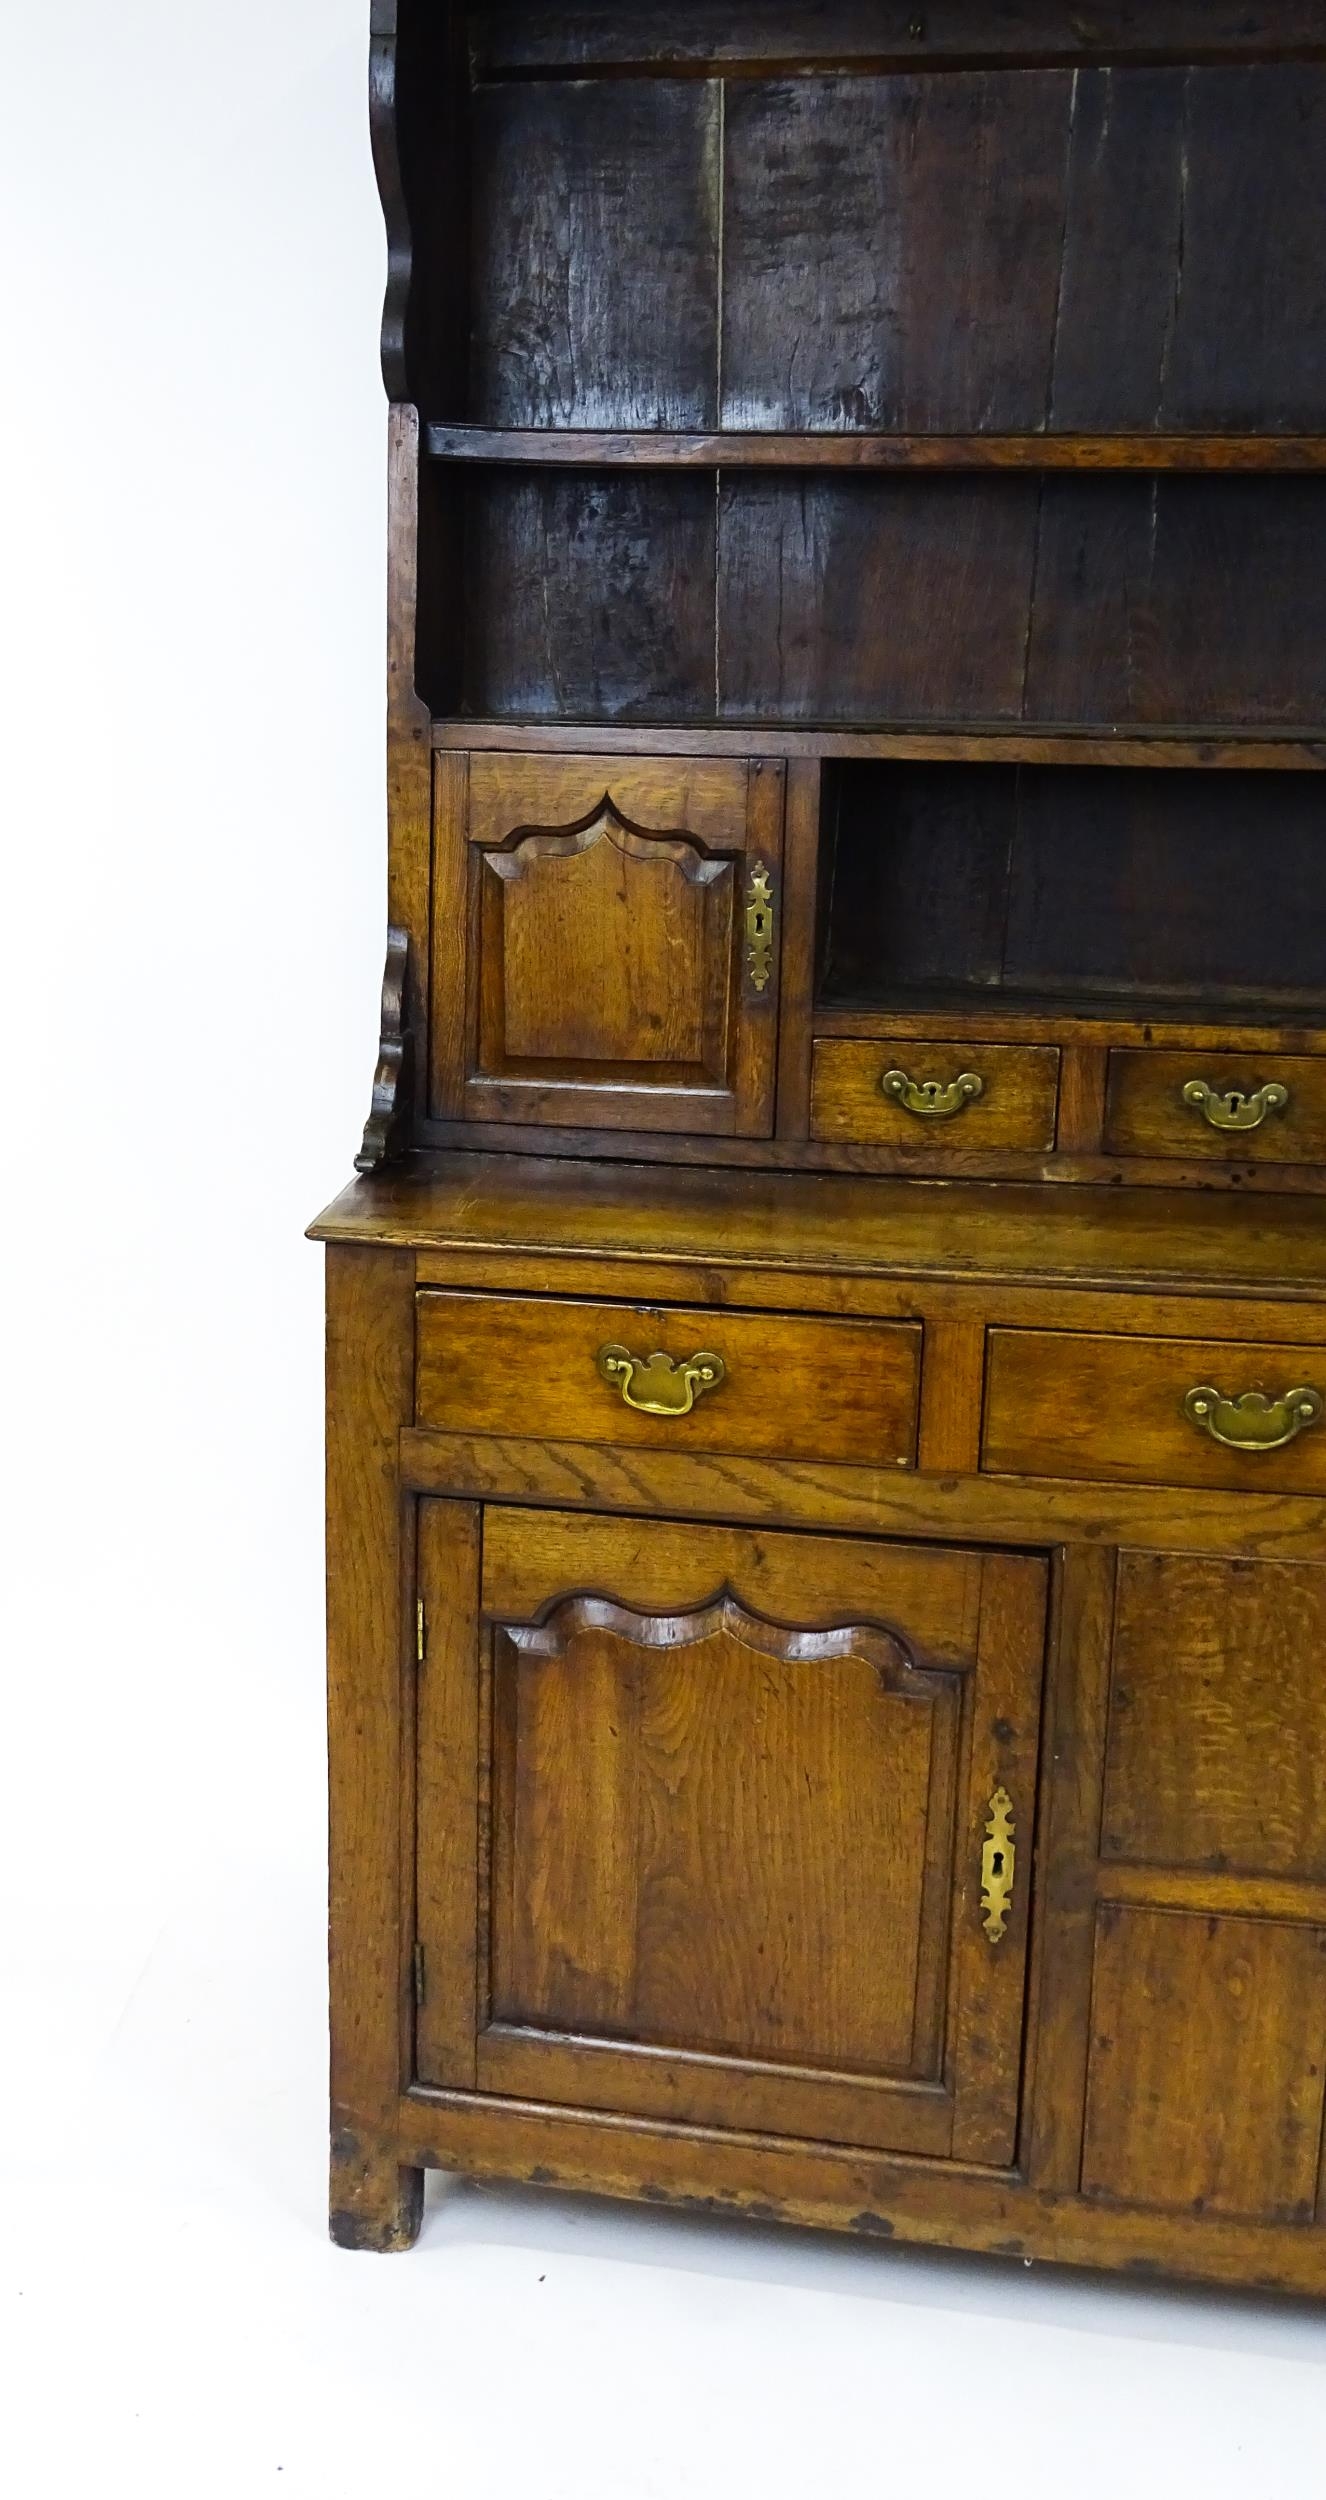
827	1345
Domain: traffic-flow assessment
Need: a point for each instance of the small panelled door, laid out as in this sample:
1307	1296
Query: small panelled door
620	924
725	1827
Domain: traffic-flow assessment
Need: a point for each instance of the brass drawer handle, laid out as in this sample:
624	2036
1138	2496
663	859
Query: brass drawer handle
930	1100
1235	1110
998	1859
667	1388
1253	1422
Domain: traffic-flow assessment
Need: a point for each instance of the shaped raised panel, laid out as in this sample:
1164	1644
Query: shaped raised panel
1208	2052
613	946
731	1829
1216	1758
611	978
743	1794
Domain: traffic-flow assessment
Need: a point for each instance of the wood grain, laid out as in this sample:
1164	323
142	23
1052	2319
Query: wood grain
792	1388
1147	1114
952	1390
877	2197
1169	746
904	233
601	911
1209	602
1016	1107
596	254
958	599
861	598
800	947
376	2196
447	1789
623	625
865	1501
997	888
1216	1755
1207	2057
1111	1408
1072	1769
600	36
691	1794
991	1978
968	1232
587	447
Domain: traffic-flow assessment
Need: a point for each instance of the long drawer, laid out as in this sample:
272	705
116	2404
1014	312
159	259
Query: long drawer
1155	1410
738	1382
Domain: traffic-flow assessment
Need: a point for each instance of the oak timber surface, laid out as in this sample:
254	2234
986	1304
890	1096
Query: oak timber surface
1042	1234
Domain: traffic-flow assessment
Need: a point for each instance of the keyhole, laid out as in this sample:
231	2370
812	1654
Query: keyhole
997	1862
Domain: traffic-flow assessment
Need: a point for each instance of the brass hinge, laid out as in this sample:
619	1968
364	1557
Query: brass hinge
420	1631
420	1975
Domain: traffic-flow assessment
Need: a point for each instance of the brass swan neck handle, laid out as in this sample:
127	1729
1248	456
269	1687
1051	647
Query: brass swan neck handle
1253	1422
653	1384
1234	1109
929	1099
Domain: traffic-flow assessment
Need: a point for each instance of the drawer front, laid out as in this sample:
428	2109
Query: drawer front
1155	1410
1216	1106
718	1381
936	1095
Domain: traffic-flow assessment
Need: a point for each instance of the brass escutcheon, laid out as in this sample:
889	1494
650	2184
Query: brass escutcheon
1253	1423
759	927
1234	1109
998	1858
929	1100
664	1387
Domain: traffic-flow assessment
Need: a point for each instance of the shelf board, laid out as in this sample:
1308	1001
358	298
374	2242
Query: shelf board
548	448
1099	1020
992	742
704	38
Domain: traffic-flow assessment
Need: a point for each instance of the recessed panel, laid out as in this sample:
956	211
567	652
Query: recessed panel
1208	2049
710	1845
1217	1741
615	952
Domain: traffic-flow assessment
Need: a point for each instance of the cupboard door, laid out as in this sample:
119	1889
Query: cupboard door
731	1798
620	924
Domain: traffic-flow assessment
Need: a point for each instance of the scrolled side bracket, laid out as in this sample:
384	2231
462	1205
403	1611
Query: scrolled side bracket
386	1135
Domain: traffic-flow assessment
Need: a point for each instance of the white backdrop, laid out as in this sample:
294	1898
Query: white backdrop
191	467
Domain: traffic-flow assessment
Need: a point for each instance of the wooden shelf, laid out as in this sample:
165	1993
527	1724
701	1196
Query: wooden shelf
999	742
1096	1023
702	38
543	448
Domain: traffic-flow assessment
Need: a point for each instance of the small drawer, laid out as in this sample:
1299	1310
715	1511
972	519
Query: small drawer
945	1095
1215	1105
719	1381
1155	1410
